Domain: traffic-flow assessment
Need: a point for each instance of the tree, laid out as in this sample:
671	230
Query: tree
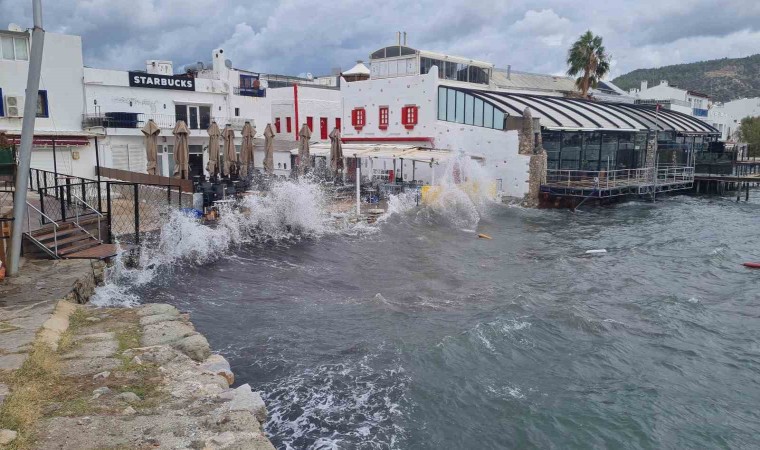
588	61
749	132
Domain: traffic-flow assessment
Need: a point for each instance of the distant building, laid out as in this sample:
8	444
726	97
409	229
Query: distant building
695	104
359	72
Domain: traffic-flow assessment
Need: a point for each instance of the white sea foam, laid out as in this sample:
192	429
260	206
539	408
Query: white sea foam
291	210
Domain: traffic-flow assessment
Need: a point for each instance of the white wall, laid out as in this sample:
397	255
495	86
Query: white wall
499	148
312	102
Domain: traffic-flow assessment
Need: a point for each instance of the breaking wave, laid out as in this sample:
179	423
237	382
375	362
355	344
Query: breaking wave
291	210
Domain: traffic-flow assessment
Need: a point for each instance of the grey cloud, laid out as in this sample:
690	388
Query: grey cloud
294	36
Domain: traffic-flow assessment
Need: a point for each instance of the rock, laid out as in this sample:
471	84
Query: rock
137	360
101	375
93	319
223	439
12	361
159	354
163	333
238	421
129	411
244	399
7	436
150	320
217	365
128	397
108	336
100	391
195	346
157	308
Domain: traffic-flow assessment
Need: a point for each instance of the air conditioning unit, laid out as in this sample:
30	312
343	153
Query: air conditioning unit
14	106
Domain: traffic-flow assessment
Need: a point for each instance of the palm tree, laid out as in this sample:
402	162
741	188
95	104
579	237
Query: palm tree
588	58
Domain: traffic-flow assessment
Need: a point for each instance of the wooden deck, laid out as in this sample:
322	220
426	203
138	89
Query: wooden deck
102	251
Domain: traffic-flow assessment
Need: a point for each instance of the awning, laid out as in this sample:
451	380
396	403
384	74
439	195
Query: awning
63	139
563	113
407	152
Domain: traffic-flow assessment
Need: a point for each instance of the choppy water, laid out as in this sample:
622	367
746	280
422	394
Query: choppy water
422	336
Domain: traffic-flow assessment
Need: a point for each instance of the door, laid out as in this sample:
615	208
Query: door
193	110
323	128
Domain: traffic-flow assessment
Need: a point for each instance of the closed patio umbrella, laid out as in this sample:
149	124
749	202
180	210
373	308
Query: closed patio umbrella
213	149
230	155
151	132
246	149
336	152
269	149
181	151
304	156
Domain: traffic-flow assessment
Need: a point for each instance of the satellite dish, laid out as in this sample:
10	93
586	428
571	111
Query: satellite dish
309	76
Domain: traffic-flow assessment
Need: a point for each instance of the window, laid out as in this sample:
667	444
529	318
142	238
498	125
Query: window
288	125
310	123
337	123
42	104
237	112
383	118
205	112
277	125
461	107
2	111
358	118
409	116
14	48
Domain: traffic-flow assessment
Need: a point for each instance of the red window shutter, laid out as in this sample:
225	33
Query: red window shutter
409	116
383	118
310	123
288	126
337	123
357	118
277	124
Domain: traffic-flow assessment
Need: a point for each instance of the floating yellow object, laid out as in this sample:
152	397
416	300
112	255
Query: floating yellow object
484	236
474	189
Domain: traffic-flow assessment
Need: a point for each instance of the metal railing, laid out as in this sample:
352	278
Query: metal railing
29	207
97	213
165	121
615	179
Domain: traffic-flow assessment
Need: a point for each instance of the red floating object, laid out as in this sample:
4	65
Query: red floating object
753	265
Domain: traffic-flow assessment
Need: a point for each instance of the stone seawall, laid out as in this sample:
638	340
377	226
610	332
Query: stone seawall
123	378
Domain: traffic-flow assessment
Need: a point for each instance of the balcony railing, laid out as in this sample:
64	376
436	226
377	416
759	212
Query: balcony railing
250	92
164	121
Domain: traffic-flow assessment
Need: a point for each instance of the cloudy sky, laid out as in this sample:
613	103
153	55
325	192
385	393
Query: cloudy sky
296	36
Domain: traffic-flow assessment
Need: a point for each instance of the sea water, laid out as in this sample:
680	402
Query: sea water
416	334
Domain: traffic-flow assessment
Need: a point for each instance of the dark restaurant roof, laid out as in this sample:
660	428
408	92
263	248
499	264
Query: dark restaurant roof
577	114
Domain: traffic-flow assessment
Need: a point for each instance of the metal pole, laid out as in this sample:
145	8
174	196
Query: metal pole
358	187
137	213
55	164
27	136
97	173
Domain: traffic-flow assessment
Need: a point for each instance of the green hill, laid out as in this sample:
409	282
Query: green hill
723	79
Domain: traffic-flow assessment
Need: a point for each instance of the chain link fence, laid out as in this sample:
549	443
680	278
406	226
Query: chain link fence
136	209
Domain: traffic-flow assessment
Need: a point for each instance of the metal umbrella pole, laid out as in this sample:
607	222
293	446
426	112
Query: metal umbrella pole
27	136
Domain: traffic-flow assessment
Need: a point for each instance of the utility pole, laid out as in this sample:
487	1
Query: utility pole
27	137
656	145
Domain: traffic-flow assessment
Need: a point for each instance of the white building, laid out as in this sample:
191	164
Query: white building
727	117
405	103
695	104
60	105
78	104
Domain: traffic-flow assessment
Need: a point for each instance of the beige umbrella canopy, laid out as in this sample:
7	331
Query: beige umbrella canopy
151	132
336	152
246	149
304	156
269	149
181	151
230	155
213	149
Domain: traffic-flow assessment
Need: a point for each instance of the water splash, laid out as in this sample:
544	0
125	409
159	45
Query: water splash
291	210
